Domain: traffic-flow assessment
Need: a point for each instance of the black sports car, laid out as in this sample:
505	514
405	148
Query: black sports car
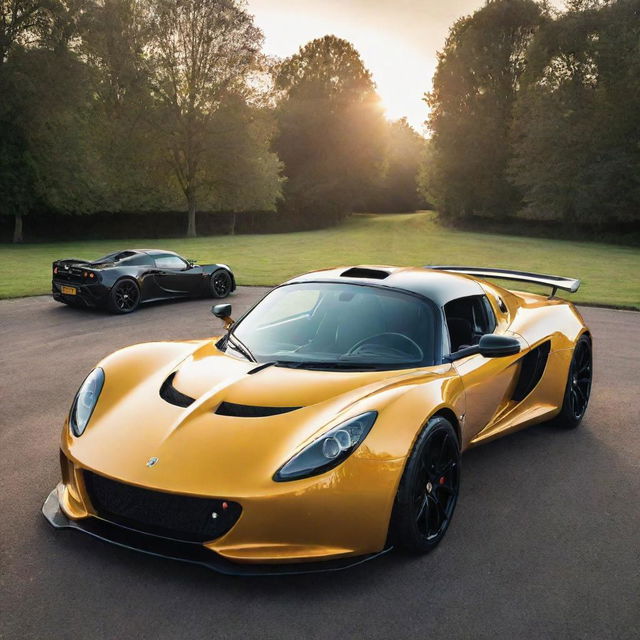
121	281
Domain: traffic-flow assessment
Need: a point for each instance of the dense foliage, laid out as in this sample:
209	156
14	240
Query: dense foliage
397	190
131	105
331	130
119	107
537	115
128	106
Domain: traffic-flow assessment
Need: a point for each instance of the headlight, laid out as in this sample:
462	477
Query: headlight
85	401
329	450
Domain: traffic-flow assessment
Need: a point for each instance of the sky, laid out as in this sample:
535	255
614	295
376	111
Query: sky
397	39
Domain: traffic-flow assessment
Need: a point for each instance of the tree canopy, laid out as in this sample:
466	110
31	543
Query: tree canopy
474	91
536	115
129	105
577	121
116	107
331	130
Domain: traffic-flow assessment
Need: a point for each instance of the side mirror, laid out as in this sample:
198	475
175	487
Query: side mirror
223	311
489	346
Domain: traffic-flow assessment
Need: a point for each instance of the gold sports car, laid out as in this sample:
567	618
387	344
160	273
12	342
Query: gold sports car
325	426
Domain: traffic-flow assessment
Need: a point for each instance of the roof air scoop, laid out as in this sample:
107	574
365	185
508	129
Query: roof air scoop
363	272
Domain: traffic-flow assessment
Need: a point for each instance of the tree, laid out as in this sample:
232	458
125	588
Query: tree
577	149
46	160
331	131
20	22
115	37
398	188
202	52
242	174
474	91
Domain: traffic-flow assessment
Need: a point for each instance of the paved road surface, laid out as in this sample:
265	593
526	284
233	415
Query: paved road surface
545	542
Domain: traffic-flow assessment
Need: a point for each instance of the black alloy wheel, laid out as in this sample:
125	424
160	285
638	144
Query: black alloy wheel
124	296
578	389
220	284
428	490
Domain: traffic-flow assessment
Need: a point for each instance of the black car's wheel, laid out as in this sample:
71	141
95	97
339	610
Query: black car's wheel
124	296
578	389
428	491
220	284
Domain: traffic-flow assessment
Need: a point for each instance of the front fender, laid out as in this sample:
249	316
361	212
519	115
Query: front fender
127	368
210	268
404	412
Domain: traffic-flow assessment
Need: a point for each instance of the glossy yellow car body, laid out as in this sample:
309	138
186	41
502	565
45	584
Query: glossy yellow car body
345	511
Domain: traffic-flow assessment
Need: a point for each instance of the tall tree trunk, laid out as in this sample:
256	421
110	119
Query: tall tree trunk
232	227
17	229
191	216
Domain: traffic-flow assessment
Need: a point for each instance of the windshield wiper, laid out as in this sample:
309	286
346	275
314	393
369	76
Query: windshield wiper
241	347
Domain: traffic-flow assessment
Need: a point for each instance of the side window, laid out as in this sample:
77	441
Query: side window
489	315
170	262
140	260
467	320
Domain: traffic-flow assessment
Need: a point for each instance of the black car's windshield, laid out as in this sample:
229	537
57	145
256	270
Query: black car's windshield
338	325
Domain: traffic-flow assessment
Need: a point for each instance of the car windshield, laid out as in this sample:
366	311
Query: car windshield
339	326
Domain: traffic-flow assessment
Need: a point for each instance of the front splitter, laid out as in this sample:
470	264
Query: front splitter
190	552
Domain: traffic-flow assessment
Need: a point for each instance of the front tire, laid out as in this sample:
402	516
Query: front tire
124	296
220	283
428	491
578	389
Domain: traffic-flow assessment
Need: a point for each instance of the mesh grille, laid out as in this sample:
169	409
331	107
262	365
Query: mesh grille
170	515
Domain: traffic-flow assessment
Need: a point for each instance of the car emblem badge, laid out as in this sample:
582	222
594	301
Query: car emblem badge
151	462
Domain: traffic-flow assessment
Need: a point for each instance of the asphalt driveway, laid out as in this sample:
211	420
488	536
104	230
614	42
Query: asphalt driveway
545	542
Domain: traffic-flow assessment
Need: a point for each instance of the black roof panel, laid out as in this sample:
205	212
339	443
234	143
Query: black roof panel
439	286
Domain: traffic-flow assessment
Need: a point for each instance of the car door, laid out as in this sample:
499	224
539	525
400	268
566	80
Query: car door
488	382
175	277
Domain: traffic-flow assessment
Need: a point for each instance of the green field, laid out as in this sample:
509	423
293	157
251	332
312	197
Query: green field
609	273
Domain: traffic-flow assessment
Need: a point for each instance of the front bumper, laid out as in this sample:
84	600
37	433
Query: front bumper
189	552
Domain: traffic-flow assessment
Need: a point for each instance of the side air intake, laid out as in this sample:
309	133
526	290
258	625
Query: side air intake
171	395
532	366
248	411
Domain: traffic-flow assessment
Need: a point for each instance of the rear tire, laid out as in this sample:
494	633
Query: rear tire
428	490
124	296
220	283
578	389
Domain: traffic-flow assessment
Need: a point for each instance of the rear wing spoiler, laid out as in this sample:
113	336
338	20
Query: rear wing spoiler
555	282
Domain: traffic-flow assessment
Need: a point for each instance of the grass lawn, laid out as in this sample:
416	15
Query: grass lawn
610	274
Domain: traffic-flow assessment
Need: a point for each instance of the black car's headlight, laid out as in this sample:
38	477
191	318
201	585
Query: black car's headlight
85	401
329	450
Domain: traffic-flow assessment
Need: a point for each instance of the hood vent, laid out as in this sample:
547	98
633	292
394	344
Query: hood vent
248	411
171	395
